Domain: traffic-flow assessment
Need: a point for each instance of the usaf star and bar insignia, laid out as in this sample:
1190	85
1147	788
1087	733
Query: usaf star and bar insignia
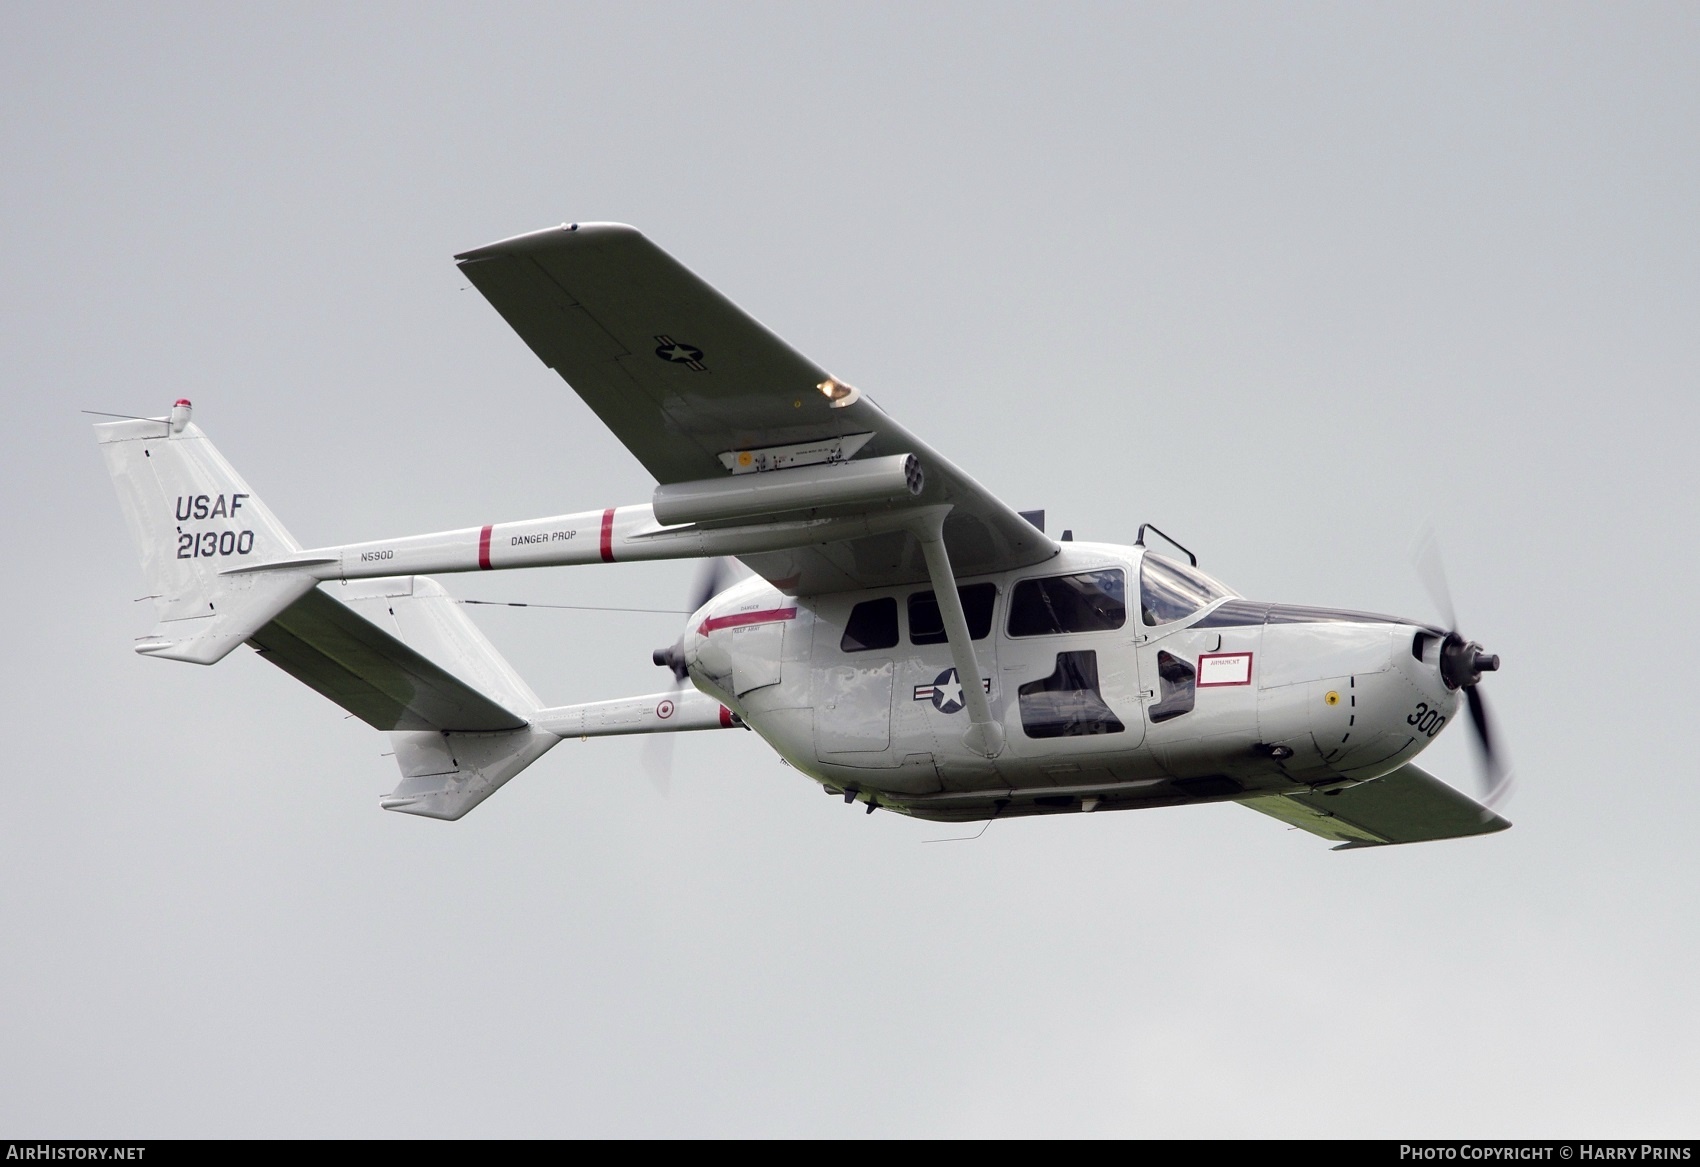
946	691
688	355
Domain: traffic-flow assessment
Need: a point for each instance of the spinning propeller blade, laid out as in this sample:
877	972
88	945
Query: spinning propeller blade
1462	663
1432	571
658	762
712	578
1496	776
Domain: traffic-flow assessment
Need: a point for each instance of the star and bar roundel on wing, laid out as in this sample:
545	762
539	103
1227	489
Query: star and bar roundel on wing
688	355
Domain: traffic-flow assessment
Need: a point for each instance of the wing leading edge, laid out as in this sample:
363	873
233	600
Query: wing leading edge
684	376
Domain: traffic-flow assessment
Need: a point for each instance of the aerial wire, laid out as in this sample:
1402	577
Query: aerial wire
574	607
125	416
970	838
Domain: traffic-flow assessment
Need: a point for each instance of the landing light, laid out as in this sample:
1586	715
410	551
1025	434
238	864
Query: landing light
838	394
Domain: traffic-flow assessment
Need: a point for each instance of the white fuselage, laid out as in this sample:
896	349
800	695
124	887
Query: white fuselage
1230	701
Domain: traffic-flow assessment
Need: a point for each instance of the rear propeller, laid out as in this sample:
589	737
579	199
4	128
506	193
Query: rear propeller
1462	663
712	578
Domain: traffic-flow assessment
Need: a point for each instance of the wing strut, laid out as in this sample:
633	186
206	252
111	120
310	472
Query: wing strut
985	735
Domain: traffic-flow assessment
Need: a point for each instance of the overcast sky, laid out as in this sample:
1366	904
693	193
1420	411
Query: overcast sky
1290	281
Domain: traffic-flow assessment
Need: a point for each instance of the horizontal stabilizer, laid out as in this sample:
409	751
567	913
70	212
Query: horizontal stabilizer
329	647
1406	806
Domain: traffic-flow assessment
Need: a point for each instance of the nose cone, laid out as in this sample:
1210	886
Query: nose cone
1367	696
1396	710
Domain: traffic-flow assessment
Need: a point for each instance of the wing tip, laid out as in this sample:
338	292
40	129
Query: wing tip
545	238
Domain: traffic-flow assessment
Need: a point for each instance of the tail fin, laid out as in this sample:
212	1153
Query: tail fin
193	518
444	775
400	654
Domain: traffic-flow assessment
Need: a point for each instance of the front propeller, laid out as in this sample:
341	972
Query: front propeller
1462	663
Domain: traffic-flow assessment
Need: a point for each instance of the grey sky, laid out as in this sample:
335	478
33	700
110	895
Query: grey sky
1289	281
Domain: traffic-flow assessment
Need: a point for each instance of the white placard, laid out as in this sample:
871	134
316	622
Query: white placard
1224	668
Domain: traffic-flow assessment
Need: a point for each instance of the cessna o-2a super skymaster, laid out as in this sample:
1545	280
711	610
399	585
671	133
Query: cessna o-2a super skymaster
906	640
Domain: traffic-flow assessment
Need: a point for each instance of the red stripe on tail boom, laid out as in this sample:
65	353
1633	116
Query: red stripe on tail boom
608	535
484	549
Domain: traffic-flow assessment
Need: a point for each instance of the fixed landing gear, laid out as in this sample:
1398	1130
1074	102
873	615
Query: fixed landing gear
850	794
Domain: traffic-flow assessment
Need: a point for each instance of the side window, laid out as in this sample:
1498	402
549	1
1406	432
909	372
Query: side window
1177	680
926	625
1093	601
872	624
1067	703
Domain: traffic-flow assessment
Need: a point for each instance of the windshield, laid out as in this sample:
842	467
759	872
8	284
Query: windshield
1169	591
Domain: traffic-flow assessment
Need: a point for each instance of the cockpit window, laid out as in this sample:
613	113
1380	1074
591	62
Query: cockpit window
1168	591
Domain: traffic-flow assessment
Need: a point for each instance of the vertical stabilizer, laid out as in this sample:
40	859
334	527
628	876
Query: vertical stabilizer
194	519
452	767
